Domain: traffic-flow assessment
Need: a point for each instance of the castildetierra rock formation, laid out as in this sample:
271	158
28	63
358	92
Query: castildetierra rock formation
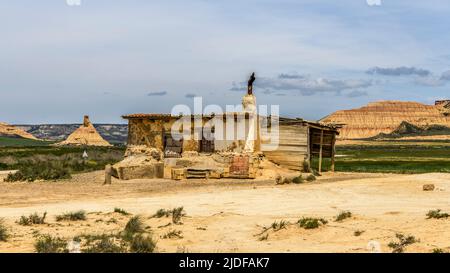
86	134
386	116
12	131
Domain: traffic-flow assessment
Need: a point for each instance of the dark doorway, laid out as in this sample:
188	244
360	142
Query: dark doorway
207	143
172	147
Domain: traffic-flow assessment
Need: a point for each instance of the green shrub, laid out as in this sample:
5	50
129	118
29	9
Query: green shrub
311	223
437	214
264	237
33	219
142	244
343	215
3	231
358	232
105	244
72	216
310	178
121	211
438	250
298	180
30	171
402	243
49	244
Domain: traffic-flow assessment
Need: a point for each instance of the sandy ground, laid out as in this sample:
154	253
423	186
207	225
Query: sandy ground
227	216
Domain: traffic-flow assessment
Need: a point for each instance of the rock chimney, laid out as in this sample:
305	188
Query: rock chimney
86	121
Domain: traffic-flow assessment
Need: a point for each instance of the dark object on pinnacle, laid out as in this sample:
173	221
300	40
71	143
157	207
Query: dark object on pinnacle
250	84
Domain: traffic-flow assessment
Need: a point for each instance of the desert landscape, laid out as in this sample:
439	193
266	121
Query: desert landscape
384	192
239	216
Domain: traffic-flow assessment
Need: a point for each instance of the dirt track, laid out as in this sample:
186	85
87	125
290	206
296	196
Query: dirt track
225	216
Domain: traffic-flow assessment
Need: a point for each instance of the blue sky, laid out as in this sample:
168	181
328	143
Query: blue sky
107	58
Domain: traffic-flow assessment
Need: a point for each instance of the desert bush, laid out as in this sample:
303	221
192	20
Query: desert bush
343	215
49	244
33	219
310	178
276	226
133	226
173	234
121	211
402	243
142	244
105	244
162	213
298	180
177	213
264	237
437	214
311	223
72	216
358	232
3	231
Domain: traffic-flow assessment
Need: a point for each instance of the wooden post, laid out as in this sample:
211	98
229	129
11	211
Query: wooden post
320	152
333	151
108	174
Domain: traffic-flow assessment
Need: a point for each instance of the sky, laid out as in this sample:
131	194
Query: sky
106	58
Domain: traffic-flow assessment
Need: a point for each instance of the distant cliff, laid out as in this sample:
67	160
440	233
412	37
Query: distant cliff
385	117
113	133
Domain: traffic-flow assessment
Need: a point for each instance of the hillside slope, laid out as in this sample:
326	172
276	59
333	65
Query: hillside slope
12	131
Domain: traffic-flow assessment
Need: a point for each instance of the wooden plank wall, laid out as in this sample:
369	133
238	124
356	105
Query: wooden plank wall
293	147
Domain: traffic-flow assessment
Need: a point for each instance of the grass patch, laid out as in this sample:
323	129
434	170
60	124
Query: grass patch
276	226
173	234
177	213
437	214
438	250
121	211
33	219
72	216
49	244
133	226
343	215
311	223
105	244
162	213
401	243
4	235
54	163
21	142
379	157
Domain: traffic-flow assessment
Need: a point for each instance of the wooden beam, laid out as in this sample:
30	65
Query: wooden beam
333	153
320	153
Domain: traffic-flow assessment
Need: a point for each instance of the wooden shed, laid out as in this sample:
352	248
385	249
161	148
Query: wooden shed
300	141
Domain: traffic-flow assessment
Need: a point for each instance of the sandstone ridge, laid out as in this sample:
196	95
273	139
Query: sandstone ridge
385	117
